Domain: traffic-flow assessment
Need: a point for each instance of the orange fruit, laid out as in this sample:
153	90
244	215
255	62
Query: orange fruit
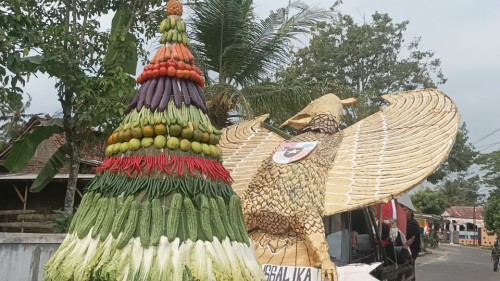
148	131
205	137
160	129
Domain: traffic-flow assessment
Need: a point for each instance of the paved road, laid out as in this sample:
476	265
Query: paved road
457	263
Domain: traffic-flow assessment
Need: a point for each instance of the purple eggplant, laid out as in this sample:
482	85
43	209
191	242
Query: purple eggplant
177	93
133	104
142	94
167	92
202	97
193	93
150	93
185	93
158	93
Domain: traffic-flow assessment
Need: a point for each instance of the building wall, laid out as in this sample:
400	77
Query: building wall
486	239
468	238
24	255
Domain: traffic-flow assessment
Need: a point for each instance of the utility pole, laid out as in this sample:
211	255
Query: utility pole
474	221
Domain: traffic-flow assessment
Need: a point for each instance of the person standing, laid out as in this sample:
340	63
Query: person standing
495	256
399	255
412	227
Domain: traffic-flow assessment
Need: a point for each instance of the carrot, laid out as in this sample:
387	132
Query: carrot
155	58
185	52
175	54
179	52
189	55
161	53
168	54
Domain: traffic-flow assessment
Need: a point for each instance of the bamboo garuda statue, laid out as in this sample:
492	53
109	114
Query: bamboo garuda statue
288	186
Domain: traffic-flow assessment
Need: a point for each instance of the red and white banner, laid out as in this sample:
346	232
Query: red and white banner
393	212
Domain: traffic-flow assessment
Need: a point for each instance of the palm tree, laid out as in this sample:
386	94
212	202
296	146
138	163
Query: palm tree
243	51
14	121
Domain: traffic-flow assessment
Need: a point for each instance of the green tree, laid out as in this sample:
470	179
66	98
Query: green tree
490	163
462	190
241	50
430	201
11	123
462	156
368	60
16	40
92	68
492	215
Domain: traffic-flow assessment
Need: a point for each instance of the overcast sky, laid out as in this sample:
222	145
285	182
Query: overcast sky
464	34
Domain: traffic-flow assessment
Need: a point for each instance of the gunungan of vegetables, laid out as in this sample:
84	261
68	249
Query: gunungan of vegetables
161	206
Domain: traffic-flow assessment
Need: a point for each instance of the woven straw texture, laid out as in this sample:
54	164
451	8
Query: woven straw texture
379	158
244	147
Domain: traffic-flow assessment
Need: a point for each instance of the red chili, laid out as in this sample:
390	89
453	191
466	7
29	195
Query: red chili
137	164
117	165
149	166
190	164
180	167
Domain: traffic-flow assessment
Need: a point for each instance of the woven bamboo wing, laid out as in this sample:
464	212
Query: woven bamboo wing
392	151
244	147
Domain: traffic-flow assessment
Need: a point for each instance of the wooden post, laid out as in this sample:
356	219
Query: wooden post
79	192
25	202
23	199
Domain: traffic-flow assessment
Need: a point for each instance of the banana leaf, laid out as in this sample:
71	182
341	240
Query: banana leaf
122	50
23	150
51	168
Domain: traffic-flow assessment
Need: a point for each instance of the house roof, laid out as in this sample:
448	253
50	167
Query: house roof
465	212
32	123
92	153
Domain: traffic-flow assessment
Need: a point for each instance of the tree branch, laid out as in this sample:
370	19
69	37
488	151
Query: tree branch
75	31
132	17
84	27
66	23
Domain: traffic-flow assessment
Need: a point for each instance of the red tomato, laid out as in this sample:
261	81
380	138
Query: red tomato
150	74
171	71
197	70
155	66
171	63
163	71
181	65
146	68
180	73
187	74
193	75
156	73
163	64
140	79
188	67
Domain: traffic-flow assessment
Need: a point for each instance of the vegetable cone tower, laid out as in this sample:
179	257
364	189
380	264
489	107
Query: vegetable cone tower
161	206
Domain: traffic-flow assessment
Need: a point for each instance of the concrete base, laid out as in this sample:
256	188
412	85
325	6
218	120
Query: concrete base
24	255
